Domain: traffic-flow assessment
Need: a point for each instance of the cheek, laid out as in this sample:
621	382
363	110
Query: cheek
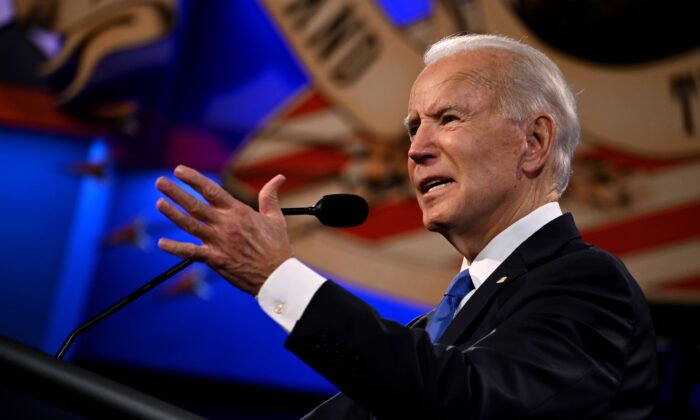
504	157
410	167
484	170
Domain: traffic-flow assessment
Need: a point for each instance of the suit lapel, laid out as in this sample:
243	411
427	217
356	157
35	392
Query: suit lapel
538	247
421	321
510	269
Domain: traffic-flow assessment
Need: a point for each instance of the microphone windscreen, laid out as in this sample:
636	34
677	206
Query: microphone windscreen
342	210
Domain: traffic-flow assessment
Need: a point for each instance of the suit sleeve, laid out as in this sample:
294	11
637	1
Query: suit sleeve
557	347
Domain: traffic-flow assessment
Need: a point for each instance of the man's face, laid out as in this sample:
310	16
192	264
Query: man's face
464	156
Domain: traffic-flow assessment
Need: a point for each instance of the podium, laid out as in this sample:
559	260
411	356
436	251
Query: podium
35	385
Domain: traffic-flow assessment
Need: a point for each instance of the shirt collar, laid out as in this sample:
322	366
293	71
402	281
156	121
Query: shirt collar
503	244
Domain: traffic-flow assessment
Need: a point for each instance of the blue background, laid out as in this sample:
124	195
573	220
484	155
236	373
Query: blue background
223	70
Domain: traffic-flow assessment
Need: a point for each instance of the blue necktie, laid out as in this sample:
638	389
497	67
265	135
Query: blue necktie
445	311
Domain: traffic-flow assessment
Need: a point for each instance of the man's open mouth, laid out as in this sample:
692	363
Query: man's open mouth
434	184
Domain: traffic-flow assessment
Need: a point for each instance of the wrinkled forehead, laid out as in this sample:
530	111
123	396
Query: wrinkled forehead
473	70
468	80
475	79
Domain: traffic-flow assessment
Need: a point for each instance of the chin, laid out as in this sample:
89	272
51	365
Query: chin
435	224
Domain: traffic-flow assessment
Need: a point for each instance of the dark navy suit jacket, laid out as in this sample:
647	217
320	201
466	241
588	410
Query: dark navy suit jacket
566	335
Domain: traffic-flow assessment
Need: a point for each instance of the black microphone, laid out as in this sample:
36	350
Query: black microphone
335	210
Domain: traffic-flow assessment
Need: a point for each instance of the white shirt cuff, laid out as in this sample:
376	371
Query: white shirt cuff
288	291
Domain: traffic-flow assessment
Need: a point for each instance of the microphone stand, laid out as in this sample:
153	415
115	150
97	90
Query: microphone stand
127	300
334	201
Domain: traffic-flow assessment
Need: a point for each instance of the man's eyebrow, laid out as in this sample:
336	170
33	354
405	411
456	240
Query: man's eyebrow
447	108
410	120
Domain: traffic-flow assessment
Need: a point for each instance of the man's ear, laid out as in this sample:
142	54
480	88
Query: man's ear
539	141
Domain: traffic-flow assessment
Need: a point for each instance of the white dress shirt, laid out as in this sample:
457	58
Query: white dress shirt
289	289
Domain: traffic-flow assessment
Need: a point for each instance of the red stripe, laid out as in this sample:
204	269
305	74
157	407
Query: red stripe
311	104
687	284
36	109
648	231
389	219
628	160
301	168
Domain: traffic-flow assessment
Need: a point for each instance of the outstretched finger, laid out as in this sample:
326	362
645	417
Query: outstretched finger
181	249
192	205
185	222
268	197
209	189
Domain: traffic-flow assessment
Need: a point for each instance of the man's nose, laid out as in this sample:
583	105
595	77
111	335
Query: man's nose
422	145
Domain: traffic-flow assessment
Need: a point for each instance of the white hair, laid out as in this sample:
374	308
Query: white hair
531	83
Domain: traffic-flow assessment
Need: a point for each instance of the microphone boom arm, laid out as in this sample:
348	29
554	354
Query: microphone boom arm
125	301
298	211
327	217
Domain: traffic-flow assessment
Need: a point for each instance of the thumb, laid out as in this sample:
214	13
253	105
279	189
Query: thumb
267	197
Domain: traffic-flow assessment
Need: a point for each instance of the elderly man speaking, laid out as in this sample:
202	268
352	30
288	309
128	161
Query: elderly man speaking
538	324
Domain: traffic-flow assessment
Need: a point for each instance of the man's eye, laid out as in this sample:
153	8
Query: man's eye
448	119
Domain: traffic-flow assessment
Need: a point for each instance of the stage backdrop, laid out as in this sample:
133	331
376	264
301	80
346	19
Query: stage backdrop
97	99
636	184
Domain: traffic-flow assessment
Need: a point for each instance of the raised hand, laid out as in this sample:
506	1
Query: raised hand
241	244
